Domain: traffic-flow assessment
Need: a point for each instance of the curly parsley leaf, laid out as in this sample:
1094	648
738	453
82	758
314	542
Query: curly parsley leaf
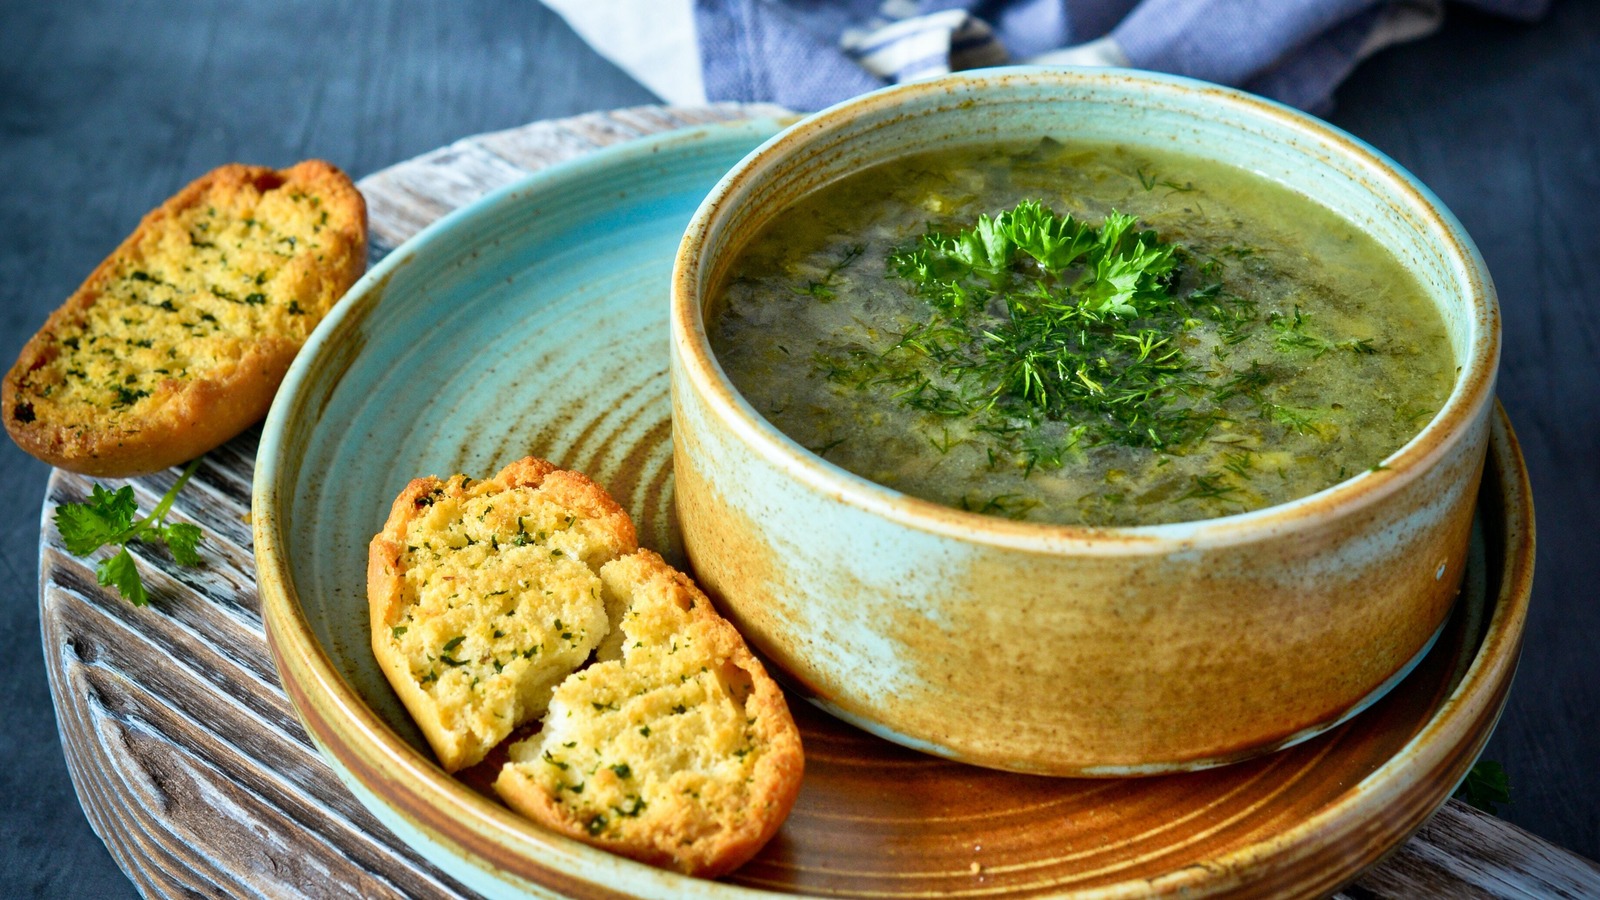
107	519
1120	265
86	527
121	573
1485	787
1053	318
1054	241
182	538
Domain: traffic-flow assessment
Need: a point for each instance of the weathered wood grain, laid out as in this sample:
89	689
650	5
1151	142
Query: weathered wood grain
402	199
1463	853
190	762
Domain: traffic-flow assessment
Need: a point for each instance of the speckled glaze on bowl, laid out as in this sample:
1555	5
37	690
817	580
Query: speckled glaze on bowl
1061	649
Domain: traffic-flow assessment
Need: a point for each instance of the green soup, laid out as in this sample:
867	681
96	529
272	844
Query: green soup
1078	333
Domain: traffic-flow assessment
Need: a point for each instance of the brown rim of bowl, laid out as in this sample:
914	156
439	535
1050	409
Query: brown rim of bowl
1469	397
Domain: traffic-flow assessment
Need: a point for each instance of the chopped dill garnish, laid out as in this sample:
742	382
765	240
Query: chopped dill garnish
823	288
1239	464
1208	487
1151	182
1292	335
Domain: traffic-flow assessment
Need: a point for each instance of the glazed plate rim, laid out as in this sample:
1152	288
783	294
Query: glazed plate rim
361	742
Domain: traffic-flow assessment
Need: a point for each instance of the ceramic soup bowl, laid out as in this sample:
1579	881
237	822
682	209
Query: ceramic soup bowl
1076	650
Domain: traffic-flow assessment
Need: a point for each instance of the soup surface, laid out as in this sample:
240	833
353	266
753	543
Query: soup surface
1078	333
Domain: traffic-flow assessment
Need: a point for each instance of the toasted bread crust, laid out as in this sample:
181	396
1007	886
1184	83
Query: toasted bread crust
524	581
704	815
690	755
170	286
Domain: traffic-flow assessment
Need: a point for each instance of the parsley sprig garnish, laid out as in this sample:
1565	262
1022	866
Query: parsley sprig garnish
107	518
1042	337
1114	265
1043	316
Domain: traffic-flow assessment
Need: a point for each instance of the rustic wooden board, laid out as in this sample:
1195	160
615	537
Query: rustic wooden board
189	760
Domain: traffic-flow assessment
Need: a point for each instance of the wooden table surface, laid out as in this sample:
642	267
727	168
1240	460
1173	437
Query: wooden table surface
105	110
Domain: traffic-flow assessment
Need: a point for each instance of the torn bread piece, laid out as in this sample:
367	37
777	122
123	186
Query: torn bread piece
179	339
675	748
485	594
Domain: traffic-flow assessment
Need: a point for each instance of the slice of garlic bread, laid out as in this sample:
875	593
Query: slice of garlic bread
485	594
179	339
675	748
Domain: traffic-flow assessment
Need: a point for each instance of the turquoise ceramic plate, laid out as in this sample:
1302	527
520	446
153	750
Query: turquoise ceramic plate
534	322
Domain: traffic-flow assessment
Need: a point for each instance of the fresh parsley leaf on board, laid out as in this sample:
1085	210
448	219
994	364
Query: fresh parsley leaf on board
1485	786
107	518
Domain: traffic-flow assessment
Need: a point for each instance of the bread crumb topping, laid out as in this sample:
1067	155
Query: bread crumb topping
525	598
665	725
188	300
500	601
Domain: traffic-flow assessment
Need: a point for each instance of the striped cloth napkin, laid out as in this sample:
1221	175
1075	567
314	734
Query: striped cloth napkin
807	54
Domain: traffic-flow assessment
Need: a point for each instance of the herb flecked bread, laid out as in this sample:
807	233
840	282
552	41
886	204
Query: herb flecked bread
675	748
497	602
485	594
179	339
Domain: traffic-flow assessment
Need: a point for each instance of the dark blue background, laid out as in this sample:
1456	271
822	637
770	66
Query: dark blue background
108	108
